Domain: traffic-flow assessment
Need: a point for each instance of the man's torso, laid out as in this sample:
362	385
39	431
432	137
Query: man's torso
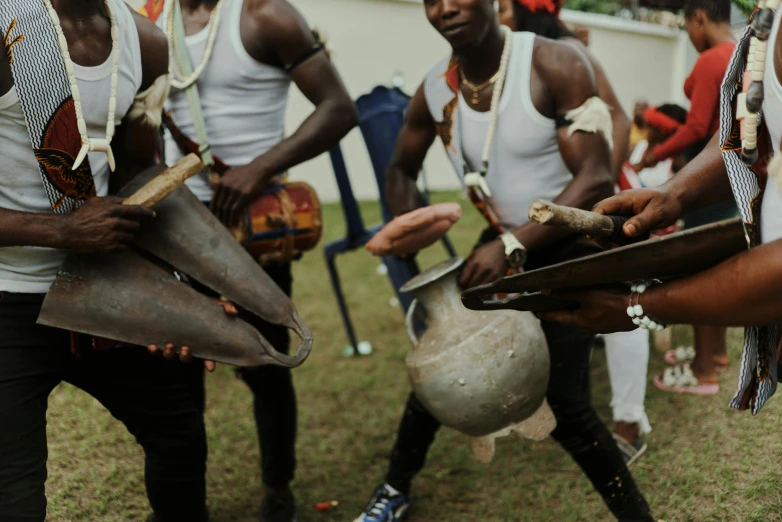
33	269
525	162
243	100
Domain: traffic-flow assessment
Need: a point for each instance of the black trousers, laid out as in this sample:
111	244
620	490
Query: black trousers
273	393
579	429
147	394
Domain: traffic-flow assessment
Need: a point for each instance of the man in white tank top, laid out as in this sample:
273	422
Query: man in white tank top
149	396
534	154
744	290
249	56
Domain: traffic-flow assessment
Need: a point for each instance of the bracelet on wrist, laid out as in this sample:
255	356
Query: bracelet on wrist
636	312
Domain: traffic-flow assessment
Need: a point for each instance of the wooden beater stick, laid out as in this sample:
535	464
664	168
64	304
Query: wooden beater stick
164	184
572	219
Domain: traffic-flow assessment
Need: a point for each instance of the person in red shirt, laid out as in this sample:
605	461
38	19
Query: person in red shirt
696	370
708	26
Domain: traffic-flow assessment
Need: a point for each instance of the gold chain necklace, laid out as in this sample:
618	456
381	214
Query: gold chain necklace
476	89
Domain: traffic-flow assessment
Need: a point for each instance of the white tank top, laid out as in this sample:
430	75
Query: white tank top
33	269
243	100
525	163
771	213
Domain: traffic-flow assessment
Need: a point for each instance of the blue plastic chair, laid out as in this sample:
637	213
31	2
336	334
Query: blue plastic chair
381	116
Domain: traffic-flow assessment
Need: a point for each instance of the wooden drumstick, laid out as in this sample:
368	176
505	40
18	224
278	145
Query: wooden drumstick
581	221
164	184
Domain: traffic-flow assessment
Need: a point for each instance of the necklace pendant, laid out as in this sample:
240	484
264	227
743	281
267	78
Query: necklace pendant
476	98
95	145
85	148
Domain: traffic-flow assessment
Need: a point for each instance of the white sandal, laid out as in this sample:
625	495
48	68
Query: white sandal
680	379
679	355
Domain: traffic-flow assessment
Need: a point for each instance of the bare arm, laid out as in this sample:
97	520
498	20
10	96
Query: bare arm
744	290
286	37
621	123
703	182
412	144
568	80
569	83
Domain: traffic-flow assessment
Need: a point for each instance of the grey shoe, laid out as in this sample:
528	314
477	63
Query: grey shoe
631	451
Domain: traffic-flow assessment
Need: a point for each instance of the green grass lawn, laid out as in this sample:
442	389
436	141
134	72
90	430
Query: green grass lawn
705	462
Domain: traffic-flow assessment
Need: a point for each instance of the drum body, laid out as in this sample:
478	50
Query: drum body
285	221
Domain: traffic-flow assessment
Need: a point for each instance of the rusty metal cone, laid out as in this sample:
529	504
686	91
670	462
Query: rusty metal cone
127	298
186	235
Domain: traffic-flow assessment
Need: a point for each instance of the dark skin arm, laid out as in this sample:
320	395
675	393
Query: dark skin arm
564	82
412	144
743	290
703	182
274	32
621	123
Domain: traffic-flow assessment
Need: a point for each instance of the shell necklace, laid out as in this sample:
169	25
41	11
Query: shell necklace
90	144
177	79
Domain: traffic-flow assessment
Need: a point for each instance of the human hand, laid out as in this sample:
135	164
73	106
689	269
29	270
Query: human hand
234	191
102	225
602	310
169	351
485	265
650	208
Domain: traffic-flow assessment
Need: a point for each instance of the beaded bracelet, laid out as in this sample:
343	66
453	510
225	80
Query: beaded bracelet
636	311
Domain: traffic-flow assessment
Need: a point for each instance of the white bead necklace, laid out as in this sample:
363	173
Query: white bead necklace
90	144
178	81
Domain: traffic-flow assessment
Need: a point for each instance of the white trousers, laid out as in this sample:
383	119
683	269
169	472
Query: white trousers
628	360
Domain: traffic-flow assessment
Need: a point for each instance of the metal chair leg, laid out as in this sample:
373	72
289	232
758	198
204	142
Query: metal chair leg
337	286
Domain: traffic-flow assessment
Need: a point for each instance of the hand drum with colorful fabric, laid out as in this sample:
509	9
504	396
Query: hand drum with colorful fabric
285	221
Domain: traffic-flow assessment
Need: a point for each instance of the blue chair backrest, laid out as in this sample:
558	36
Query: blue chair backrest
381	116
353	219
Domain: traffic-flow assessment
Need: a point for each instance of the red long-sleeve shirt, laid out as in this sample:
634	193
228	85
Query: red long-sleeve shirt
702	88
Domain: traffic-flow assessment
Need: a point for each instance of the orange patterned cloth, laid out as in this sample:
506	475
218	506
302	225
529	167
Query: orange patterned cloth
152	9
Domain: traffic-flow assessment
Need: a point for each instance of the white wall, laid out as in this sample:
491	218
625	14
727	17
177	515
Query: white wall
373	40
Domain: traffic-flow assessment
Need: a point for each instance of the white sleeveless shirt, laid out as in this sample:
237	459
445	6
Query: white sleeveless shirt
771	213
33	269
525	163
242	99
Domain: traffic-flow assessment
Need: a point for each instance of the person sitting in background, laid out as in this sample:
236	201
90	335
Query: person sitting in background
660	123
638	130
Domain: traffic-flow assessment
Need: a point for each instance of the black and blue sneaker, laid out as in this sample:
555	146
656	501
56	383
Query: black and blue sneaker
387	505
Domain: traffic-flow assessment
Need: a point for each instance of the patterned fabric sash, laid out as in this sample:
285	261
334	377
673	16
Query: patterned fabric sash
41	83
758	371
